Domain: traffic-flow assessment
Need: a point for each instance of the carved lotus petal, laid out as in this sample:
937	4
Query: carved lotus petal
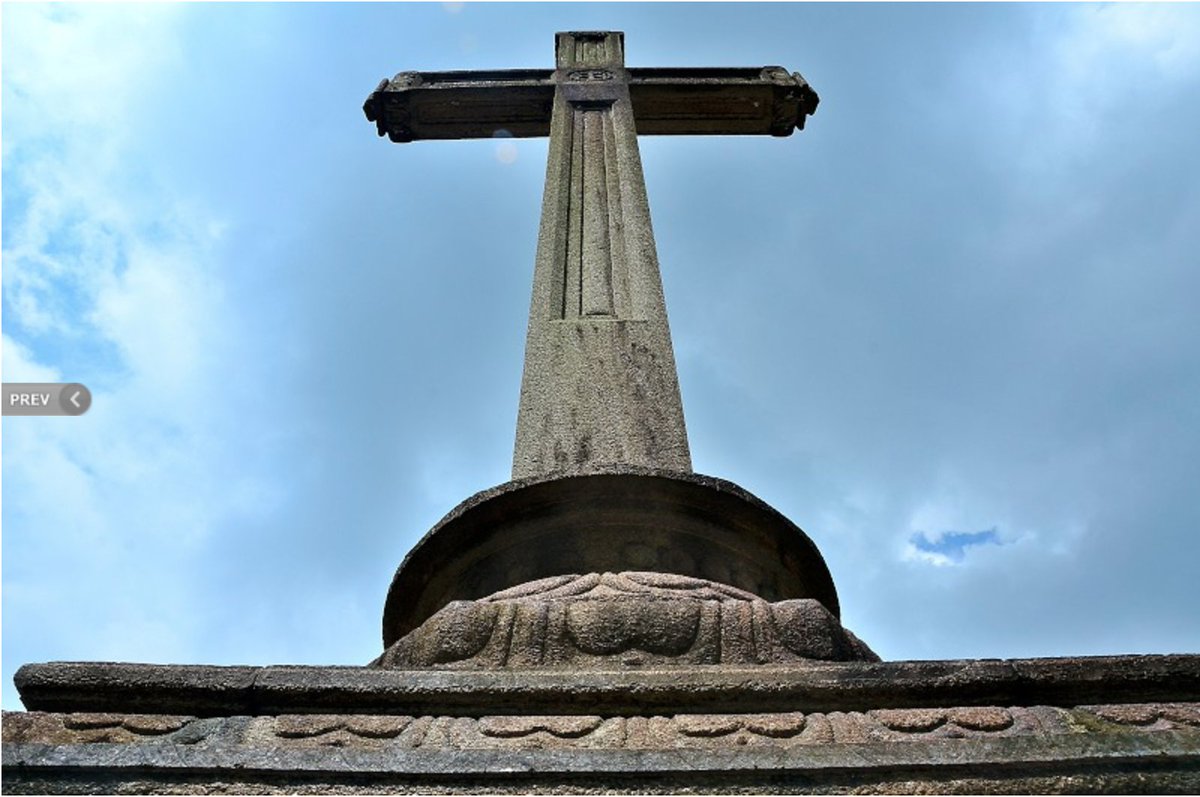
153	725
305	726
605	627
982	718
81	722
457	632
623	619
544	587
777	726
378	727
708	724
910	720
1129	715
1182	713
665	584
807	628
563	727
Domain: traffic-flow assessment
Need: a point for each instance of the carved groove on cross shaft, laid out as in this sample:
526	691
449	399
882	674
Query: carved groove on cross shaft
593	268
590	49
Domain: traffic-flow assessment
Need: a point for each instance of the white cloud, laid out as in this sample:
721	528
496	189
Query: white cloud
99	252
956	524
1107	62
73	78
96	249
1105	40
81	66
1052	99
159	310
19	366
912	553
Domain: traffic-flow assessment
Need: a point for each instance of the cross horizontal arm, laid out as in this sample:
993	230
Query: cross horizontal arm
731	101
518	102
446	105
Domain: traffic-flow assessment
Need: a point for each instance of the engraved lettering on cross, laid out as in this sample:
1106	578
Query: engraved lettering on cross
590	74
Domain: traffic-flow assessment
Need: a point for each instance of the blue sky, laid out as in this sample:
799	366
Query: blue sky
949	329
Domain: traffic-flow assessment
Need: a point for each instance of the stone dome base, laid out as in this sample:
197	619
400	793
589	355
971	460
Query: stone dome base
629	619
629	519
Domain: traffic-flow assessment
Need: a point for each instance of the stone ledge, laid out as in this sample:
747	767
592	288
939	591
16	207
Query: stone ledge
819	686
1118	723
1165	762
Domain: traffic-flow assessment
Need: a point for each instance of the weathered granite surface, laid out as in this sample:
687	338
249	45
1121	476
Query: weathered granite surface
631	619
624	518
666	101
207	691
1127	724
599	386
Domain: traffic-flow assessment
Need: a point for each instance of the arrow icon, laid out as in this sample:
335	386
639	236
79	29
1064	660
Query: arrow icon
75	399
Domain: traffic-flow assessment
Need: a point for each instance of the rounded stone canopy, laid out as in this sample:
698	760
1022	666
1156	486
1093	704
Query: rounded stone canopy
635	519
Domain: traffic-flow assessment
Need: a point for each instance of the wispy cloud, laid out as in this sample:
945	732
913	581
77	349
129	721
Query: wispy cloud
108	279
948	547
1084	69
1103	41
74	207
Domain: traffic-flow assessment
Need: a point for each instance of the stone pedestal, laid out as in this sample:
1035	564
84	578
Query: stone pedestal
1115	724
702	653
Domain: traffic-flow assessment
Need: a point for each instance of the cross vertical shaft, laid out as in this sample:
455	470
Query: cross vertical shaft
599	387
599	396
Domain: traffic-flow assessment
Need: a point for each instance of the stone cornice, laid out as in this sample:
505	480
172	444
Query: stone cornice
202	690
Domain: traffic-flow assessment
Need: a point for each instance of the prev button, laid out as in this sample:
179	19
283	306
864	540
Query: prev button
46	398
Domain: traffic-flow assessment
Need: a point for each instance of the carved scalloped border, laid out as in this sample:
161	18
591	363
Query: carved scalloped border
682	731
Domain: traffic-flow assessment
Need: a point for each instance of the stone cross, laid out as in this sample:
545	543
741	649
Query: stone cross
599	388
